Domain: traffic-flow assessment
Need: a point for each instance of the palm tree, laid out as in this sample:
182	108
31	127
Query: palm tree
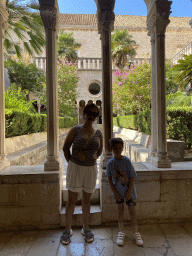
122	46
185	68
67	47
25	26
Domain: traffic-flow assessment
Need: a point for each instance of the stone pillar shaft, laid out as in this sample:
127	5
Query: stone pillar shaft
161	97
105	26
153	97
49	17
4	162
107	93
2	100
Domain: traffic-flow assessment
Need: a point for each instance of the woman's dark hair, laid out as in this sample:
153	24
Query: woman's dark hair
113	142
90	106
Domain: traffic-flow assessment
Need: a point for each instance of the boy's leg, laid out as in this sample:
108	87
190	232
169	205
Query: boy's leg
121	233
120	216
133	216
132	212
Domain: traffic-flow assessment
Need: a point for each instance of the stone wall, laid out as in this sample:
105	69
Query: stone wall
29	198
175	39
163	196
24	141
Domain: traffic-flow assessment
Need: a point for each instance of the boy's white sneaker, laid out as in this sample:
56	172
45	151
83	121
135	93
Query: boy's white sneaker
138	239
120	238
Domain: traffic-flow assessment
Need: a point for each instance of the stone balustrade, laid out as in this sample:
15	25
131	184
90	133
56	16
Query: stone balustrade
88	63
187	50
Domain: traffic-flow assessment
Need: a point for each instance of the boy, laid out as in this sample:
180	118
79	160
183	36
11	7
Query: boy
121	176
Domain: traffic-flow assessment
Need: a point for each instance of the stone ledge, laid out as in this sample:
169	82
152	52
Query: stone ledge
27	174
24	141
33	155
136	145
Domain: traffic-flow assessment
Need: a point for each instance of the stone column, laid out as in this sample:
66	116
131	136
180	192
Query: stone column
3	24
49	15
153	146
153	96
158	19
162	160
106	25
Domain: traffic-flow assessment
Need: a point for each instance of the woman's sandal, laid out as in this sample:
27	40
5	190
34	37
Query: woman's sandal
65	238
88	235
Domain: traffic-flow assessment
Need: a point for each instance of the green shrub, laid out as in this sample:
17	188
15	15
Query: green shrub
20	123
179	123
66	122
125	121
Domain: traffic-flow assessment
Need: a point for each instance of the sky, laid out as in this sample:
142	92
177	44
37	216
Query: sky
179	8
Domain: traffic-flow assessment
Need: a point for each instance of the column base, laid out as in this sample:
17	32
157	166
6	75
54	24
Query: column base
52	166
104	159
4	164
159	163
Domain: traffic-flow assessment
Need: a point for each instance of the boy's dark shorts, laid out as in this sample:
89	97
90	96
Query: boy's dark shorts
131	202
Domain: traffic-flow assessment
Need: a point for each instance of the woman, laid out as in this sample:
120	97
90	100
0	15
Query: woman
87	145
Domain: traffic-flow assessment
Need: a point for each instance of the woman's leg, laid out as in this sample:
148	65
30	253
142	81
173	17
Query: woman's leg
72	199
86	209
120	217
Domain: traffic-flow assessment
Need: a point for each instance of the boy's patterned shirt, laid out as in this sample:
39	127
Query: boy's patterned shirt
120	171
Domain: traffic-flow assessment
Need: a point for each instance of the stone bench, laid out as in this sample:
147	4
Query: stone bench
136	145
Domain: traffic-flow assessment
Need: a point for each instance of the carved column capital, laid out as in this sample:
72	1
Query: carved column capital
105	20
161	23
158	17
49	17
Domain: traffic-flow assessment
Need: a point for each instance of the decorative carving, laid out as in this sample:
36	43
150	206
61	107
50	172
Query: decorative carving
49	16
161	23
105	20
158	17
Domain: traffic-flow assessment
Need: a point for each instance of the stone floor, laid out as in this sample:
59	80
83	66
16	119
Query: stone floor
159	239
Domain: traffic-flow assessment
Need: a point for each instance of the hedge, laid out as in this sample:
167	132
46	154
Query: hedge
179	123
20	123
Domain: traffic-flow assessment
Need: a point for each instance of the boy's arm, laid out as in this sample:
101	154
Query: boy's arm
117	196
131	183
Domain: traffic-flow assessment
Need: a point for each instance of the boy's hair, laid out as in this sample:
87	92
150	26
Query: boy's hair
113	142
89	106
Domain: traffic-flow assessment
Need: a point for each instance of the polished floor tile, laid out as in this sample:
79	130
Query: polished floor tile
159	239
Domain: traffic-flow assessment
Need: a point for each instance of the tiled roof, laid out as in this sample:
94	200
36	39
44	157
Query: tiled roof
131	21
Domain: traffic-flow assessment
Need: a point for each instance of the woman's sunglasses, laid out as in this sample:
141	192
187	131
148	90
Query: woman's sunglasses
92	113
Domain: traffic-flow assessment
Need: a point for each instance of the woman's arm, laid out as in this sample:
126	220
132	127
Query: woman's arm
67	144
99	152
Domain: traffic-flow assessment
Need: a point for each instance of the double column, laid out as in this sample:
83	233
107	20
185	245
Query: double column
106	25
157	23
49	15
3	24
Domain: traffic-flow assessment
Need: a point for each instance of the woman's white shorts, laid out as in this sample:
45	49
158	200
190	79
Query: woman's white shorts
81	177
